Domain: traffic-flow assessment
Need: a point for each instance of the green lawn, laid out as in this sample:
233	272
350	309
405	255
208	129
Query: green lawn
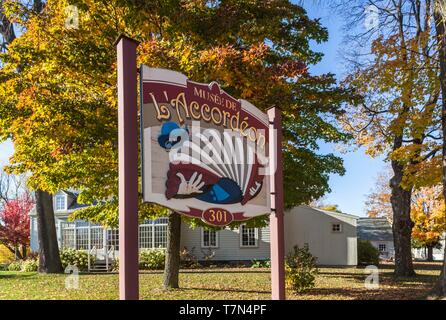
240	283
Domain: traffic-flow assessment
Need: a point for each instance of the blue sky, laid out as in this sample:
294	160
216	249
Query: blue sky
349	190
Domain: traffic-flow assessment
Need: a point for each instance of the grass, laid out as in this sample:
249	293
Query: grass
239	283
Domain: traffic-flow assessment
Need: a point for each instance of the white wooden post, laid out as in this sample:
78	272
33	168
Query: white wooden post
89	245
75	235
104	244
153	233
59	235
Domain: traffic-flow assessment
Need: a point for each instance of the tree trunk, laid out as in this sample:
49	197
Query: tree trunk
17	253
430	253
38	6
49	258
6	28
402	224
24	252
172	266
440	25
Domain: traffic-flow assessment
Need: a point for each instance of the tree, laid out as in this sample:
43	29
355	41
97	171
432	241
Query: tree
12	187
428	214
378	200
172	266
440	27
61	110
49	259
14	225
426	211
400	116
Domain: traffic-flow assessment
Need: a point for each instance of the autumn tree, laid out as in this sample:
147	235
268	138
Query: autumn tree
61	110
440	28
14	225
426	211
428	214
378	200
49	259
399	117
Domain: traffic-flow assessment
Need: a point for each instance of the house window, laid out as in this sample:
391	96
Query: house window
113	239
382	247
248	236
60	202
209	238
336	227
68	235
153	234
96	237
82	242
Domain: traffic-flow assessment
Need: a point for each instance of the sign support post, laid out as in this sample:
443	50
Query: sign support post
277	205
128	168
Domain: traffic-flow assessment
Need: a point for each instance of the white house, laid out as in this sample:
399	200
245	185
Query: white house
330	236
379	232
437	252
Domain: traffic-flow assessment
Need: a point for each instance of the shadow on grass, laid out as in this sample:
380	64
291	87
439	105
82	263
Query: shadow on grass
226	271
14	275
226	290
388	277
198	271
418	265
390	287
399	293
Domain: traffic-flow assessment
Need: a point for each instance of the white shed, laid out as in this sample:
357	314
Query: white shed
330	236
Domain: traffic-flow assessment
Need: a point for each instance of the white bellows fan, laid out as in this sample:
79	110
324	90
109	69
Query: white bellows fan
224	161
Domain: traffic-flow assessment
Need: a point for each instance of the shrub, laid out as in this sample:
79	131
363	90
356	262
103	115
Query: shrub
152	259
300	269
15	266
30	265
76	258
367	253
261	264
188	259
115	265
33	255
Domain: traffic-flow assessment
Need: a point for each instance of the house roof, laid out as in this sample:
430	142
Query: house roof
374	229
72	205
335	213
72	193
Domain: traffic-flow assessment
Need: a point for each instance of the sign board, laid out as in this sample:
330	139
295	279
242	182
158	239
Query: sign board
204	153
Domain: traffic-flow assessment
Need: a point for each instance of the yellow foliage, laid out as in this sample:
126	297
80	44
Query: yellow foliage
429	215
5	254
